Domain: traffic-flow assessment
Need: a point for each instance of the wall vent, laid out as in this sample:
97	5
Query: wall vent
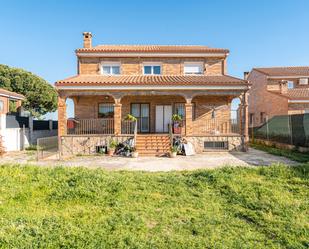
216	145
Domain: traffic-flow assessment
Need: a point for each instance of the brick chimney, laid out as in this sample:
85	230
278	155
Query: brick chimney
87	39
246	75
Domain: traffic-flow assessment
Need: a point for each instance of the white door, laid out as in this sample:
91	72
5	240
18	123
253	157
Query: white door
163	117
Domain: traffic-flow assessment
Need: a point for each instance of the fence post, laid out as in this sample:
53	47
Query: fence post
290	129
50	124
267	128
30	120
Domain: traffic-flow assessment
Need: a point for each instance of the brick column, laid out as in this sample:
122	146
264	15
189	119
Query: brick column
189	124
62	116
244	121
117	118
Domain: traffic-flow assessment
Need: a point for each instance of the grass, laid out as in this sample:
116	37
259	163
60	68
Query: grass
262	207
291	154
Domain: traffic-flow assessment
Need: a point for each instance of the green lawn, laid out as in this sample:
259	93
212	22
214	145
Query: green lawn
263	207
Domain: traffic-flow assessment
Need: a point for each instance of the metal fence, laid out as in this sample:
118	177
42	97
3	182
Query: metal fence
288	129
47	147
90	126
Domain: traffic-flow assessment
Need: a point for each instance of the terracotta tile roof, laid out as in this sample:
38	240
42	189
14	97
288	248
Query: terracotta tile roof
298	93
10	94
170	80
152	49
284	71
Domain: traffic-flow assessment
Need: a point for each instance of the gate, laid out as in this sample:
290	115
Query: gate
47	147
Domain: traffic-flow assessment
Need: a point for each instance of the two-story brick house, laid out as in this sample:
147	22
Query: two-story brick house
277	91
151	82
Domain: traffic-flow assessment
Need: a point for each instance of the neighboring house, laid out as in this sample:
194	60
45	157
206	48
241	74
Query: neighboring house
277	91
151	82
17	131
6	97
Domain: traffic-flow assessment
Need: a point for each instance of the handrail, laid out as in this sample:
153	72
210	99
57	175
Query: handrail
170	130
135	132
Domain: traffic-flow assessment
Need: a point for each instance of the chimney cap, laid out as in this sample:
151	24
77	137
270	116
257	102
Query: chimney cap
87	34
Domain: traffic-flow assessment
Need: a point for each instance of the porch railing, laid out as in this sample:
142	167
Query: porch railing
128	127
216	126
90	126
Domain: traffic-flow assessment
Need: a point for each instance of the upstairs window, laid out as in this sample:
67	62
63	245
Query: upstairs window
303	81
193	68
111	68
290	84
152	69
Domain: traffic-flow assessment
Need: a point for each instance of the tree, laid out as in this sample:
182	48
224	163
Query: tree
41	97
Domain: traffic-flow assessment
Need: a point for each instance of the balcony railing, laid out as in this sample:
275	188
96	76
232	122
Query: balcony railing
216	127
90	126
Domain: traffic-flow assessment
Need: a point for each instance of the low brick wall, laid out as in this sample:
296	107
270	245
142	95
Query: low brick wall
234	142
86	145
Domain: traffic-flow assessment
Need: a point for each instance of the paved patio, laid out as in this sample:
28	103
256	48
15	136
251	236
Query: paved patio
208	160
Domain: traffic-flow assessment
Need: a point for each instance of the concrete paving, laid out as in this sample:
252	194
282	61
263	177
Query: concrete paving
209	160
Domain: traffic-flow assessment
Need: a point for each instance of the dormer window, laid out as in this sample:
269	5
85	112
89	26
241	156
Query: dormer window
195	68
152	69
110	68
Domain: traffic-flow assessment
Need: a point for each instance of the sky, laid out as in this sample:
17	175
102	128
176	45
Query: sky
41	36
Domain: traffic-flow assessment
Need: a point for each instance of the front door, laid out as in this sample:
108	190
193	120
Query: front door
163	117
141	112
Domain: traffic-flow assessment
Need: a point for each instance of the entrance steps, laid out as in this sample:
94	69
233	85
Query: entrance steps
153	144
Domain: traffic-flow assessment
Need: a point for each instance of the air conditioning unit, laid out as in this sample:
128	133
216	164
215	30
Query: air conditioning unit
303	81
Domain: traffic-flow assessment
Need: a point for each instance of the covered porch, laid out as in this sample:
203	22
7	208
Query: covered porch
105	113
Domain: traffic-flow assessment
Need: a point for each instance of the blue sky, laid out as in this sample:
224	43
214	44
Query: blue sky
41	36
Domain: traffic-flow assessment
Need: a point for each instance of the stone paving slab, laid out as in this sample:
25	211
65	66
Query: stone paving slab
209	160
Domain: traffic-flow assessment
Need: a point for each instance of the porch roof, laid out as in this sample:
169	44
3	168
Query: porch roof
151	80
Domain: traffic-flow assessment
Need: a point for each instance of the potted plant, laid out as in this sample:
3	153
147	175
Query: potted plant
111	147
130	117
134	153
176	118
174	150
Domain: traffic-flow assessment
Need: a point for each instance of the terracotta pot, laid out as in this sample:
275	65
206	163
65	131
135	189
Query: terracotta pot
110	152
173	154
135	154
176	129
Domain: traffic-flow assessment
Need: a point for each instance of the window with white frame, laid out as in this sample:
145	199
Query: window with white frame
303	81
152	69
112	68
290	84
193	68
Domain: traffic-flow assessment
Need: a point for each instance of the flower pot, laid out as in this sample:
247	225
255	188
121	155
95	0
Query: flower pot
110	152
135	154
173	154
177	130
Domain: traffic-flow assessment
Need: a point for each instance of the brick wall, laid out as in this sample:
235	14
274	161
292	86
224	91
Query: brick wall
5	105
134	66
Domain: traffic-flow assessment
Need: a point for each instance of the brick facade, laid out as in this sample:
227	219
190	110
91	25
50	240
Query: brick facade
134	66
198	112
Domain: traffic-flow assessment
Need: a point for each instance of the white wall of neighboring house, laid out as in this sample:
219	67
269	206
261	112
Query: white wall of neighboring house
16	139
